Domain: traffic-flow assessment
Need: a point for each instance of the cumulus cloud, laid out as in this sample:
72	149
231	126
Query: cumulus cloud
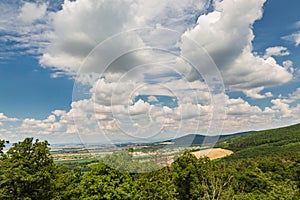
227	35
93	122
142	119
140	107
282	107
226	31
288	65
80	26
72	43
113	93
152	99
4	118
276	51
227	40
240	107
255	93
242	116
249	71
115	108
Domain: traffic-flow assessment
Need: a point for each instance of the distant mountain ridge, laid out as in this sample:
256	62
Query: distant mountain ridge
198	139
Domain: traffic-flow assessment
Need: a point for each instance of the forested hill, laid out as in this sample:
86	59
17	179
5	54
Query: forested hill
275	142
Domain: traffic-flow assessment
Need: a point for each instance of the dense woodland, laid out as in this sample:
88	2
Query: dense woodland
265	165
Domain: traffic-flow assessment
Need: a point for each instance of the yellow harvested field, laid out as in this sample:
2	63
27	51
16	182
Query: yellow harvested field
213	153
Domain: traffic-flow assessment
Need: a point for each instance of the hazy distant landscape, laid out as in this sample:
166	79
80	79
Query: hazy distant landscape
276	142
200	145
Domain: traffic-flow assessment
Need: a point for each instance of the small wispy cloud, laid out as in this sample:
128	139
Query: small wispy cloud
276	51
294	38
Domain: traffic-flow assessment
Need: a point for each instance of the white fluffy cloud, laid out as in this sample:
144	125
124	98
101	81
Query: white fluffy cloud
289	65
276	51
80	26
4	118
227	35
31	12
225	32
142	119
114	93
152	99
255	93
83	24
241	116
93	122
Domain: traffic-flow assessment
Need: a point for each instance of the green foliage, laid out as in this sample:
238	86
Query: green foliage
265	178
277	142
155	185
82	164
102	182
185	176
262	167
66	184
2	145
201	178
27	171
125	162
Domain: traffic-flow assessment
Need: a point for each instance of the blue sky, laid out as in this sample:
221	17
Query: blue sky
278	21
56	81
28	90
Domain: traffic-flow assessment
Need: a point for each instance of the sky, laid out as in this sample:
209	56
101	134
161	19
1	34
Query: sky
106	71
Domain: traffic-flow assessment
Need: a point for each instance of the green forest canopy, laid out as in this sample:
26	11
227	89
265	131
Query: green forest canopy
27	171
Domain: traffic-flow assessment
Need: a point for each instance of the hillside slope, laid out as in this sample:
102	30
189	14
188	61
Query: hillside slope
198	139
275	142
